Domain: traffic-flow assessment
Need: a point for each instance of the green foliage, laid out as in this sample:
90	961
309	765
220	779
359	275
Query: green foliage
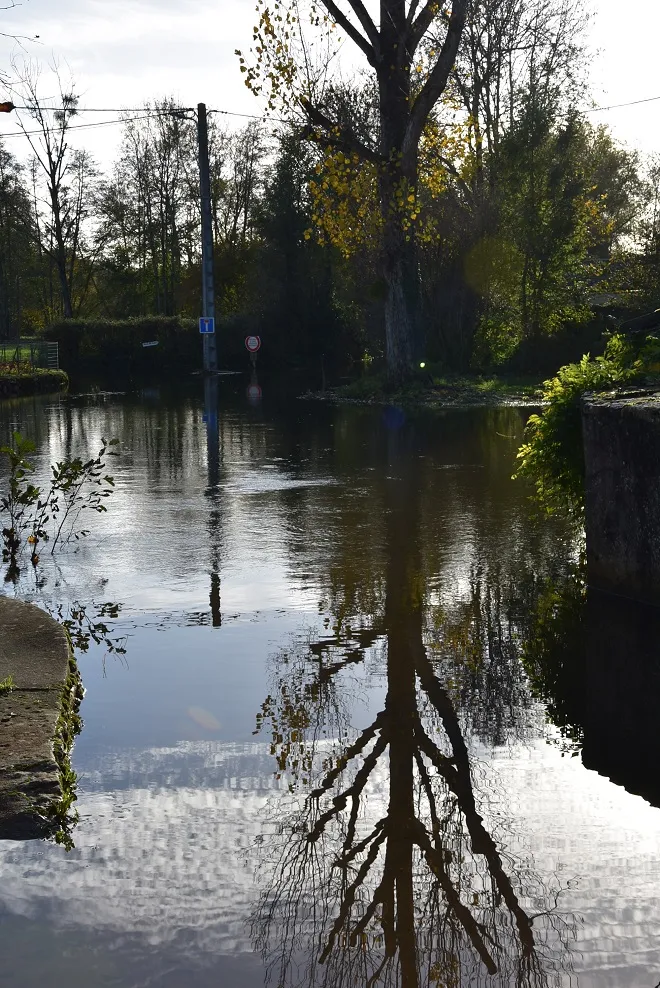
107	341
58	378
21	499
61	811
552	455
36	514
6	685
548	216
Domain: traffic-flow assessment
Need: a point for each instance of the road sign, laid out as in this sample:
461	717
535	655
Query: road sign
206	324
253	392
253	343
150	343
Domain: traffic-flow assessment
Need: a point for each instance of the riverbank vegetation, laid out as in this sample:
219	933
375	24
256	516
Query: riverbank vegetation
552	456
52	513
26	380
520	225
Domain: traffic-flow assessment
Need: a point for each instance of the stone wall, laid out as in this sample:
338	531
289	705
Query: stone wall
622	493
622	693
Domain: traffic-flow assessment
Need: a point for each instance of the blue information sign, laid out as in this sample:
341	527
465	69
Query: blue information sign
206	324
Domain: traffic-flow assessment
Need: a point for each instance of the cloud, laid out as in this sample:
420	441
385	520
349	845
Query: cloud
131	52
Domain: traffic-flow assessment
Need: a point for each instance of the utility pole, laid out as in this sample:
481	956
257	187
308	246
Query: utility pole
208	293
210	354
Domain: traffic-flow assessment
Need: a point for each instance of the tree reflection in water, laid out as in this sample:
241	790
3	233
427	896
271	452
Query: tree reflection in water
384	872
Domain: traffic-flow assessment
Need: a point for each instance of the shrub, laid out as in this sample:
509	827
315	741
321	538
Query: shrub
105	341
552	455
36	515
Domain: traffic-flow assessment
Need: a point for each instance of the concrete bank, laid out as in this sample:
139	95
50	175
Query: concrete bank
38	721
622	493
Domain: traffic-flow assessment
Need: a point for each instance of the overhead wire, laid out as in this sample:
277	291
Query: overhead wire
144	111
89	126
151	111
147	112
110	109
618	106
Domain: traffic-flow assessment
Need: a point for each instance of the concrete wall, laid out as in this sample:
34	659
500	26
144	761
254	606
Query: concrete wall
622	494
622	693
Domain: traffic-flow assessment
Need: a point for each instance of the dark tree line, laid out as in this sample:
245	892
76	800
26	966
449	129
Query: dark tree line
524	215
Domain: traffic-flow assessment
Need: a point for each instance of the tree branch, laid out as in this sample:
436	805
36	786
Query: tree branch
351	752
411	12
437	80
368	25
354	791
435	862
339	137
349	896
420	26
371	51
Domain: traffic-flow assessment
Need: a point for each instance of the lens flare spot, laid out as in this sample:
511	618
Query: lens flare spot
204	718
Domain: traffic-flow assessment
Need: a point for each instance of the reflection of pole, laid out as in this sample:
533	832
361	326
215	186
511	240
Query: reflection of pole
211	419
213	468
253	389
208	293
214	599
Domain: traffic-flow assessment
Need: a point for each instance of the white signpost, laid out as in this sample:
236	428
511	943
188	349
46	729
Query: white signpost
206	324
253	343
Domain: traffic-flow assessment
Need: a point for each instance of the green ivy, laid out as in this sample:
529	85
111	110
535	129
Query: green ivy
552	455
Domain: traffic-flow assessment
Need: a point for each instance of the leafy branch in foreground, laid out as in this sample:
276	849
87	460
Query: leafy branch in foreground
41	514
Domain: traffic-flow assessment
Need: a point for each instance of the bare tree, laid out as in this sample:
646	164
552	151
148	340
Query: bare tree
68	176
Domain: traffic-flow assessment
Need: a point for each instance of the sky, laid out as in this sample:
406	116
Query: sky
122	53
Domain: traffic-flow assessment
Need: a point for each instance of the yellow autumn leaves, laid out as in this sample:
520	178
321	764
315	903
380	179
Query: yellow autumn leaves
345	195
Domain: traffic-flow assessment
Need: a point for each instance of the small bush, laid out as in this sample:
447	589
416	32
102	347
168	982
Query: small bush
552	455
6	685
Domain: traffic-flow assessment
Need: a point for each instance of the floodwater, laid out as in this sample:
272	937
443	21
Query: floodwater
350	717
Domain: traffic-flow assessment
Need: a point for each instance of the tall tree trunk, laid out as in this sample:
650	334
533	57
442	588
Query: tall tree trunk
60	263
398	180
402	321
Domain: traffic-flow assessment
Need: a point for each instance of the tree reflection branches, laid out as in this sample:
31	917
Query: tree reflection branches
388	866
384	872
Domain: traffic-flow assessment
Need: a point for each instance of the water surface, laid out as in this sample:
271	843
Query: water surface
352	720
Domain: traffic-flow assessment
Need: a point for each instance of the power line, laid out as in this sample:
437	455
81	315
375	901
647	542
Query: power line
251	116
174	110
73	110
99	123
151	111
146	113
617	106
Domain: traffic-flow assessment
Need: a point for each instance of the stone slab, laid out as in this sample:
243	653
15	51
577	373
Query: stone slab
621	435
34	651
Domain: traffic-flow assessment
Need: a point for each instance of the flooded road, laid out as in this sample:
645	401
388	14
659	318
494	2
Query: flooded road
350	719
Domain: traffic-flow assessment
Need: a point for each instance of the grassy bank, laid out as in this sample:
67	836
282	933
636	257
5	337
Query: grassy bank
437	390
31	380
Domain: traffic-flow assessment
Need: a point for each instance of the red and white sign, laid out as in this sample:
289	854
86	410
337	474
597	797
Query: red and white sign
253	343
